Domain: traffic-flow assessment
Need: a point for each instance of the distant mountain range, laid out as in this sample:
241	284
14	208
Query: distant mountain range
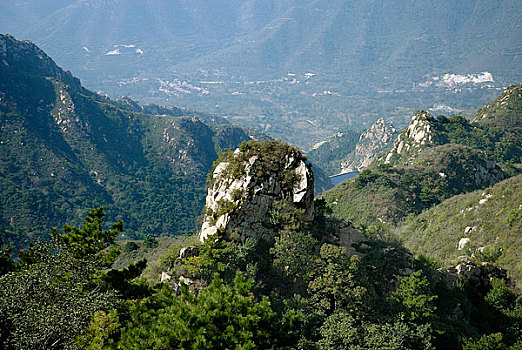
280	66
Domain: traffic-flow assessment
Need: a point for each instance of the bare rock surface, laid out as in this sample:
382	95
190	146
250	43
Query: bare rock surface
249	187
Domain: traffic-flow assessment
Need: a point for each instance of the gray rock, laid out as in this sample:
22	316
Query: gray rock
165	277
471	273
253	203
463	242
419	133
371	143
188	252
348	235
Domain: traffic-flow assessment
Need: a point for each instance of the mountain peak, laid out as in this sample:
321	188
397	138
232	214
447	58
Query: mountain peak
26	58
420	133
371	143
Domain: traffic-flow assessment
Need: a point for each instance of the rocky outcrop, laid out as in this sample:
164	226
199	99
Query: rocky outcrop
347	235
371	143
420	133
252	185
478	275
488	173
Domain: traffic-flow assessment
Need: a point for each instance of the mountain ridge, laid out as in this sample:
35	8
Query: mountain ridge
65	149
451	154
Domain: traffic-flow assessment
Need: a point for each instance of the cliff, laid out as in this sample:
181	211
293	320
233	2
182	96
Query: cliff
419	135
370	145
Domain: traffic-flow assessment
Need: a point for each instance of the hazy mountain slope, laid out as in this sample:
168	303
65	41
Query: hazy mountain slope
371	144
490	217
368	58
173	31
328	154
65	149
350	151
393	37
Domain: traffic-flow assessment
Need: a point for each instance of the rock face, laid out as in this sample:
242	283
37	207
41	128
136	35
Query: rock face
371	144
188	252
249	187
419	133
348	236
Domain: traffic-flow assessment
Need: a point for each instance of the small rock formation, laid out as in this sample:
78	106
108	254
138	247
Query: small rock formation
165	277
371	144
470	229
348	235
249	186
188	252
463	243
418	134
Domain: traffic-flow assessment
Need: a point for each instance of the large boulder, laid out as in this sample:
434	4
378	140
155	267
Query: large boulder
252	186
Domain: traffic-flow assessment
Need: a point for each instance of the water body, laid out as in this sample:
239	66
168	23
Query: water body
341	177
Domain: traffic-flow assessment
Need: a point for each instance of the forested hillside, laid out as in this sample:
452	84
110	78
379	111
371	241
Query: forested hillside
488	223
274	273
434	160
65	149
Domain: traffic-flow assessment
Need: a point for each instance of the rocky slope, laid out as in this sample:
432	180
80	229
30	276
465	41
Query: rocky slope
505	111
419	135
329	154
432	160
350	151
486	222
371	144
65	149
387	194
496	130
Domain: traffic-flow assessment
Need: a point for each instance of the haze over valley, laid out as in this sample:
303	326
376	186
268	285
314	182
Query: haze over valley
299	70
